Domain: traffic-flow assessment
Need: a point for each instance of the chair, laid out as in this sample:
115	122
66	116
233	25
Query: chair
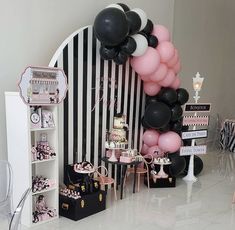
5	189
104	179
141	169
16	217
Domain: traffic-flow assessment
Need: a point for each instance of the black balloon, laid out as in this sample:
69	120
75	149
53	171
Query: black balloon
164	129
178	164
111	26
145	124
176	112
167	95
148	28
198	164
124	7
129	46
134	22
150	100
176	126
108	53
121	58
152	41
157	115
182	96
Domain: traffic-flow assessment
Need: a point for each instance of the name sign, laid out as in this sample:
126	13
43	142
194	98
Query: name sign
197	107
194	134
196	120
189	150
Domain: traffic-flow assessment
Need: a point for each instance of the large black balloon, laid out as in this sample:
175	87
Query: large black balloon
182	96
178	164
121	58
145	124
176	112
167	95
198	164
108	53
134	22
150	99
152	41
124	6
129	46
157	115
148	28
111	26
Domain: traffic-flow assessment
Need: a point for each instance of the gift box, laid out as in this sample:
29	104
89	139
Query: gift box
76	209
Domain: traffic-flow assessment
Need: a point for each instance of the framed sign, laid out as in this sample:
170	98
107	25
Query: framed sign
189	150
43	86
195	120
194	134
203	107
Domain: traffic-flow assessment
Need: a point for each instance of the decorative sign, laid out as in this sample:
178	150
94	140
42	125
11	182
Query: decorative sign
189	150
194	134
204	107
196	120
43	86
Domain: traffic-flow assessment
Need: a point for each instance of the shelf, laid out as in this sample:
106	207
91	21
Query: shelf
42	129
38	161
45	190
45	221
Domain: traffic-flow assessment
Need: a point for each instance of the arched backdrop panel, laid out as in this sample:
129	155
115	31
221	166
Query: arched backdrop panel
98	90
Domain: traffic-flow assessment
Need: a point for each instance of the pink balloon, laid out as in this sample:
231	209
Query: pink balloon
144	149
177	67
155	151
166	51
151	88
161	32
176	83
169	78
150	137
171	63
159	74
147	63
169	142
145	78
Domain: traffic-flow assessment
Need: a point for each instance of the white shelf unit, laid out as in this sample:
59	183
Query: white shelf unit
20	139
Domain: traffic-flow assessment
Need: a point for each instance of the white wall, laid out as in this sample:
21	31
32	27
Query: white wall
31	31
204	34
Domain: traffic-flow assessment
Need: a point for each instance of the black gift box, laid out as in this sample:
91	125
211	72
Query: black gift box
85	206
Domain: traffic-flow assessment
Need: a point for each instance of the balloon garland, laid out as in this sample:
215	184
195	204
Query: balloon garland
126	33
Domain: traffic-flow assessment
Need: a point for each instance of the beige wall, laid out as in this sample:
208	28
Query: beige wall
204	34
31	31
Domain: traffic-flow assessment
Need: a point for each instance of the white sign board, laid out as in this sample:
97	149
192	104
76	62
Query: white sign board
189	150
194	134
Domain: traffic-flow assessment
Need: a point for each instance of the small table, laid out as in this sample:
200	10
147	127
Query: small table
123	171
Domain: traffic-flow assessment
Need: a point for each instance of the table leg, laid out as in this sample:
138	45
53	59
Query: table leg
135	168
124	167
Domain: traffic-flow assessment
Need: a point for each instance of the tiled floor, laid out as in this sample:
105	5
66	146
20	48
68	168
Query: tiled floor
203	205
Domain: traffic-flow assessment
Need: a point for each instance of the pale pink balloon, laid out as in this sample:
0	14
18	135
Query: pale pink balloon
159	74
171	63
177	67
169	142
166	51
169	78
151	88
161	32
155	151
144	149
150	137
145	78
176	83
147	63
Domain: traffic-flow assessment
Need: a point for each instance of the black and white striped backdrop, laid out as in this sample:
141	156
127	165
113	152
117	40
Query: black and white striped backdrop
98	90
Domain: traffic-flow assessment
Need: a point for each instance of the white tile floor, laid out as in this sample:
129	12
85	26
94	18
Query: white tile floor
207	206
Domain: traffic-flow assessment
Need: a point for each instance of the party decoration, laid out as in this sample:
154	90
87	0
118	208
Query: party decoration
173	61
159	74
155	151
124	6
176	83
169	142
111	26
134	22
141	44
161	32
148	28
121	58
150	137
147	63
152	41
142	16
157	115
176	112
108	53
151	88
166	51
115	6
168	79
145	124
129	46
198	165
168	96
182	96
144	149
178	164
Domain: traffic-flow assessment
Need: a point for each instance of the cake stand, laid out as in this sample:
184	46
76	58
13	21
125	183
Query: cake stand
161	173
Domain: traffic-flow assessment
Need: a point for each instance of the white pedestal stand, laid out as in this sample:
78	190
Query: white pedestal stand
113	156
161	173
